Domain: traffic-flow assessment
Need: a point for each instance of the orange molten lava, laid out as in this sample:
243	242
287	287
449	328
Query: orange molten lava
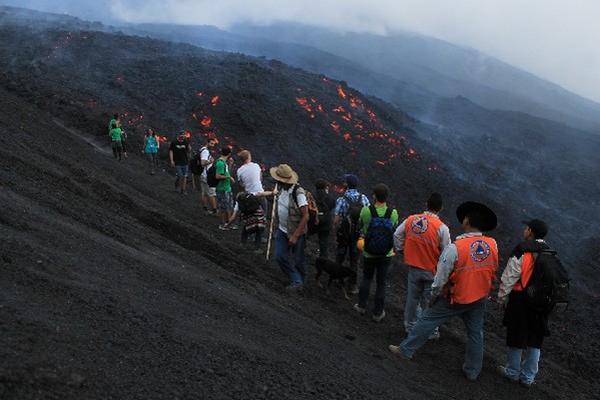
341	92
214	101
206	122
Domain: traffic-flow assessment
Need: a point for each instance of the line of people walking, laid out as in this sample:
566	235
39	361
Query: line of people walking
445	278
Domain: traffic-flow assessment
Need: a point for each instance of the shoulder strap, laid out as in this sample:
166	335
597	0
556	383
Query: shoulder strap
373	211
295	193
388	213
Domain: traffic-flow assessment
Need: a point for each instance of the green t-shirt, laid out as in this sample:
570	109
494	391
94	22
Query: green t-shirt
365	221
110	124
221	168
116	134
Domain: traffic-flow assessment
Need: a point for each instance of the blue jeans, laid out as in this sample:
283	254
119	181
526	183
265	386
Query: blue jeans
297	271
417	296
472	316
372	266
525	370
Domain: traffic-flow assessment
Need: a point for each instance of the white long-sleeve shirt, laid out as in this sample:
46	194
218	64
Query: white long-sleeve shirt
400	236
511	275
446	263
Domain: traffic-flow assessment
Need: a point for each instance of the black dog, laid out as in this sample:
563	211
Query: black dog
335	272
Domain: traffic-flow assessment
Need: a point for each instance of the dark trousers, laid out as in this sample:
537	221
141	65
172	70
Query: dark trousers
323	236
257	236
352	251
372	266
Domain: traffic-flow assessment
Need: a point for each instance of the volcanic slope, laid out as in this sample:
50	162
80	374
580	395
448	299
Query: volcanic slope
114	286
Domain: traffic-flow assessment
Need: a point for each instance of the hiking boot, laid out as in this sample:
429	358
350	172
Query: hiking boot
398	351
502	370
378	318
359	309
294	287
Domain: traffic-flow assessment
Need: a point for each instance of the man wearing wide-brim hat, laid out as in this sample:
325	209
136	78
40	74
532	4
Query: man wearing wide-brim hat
465	273
292	218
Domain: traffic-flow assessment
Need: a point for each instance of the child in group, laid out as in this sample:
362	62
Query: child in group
252	216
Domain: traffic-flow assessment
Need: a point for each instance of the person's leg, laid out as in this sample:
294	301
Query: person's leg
244	239
282	252
512	370
114	149
323	243
222	207
365	284
184	178
381	269
204	192
212	198
473	319
124	147
155	159
299	264
340	255
120	150
412	299
258	238
151	161
433	317
353	256
530	365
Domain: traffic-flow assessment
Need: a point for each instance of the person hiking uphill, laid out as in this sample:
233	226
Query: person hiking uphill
464	277
422	238
292	219
326	205
249	176
224	192
116	120
252	215
208	194
179	155
116	137
151	146
526	323
377	244
347	212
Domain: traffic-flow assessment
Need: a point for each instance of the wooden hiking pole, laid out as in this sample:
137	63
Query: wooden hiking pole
272	222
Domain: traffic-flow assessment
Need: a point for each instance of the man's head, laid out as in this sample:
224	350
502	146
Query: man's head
226	152
181	136
476	217
434	203
113	125
211	142
115	116
351	181
245	156
321	184
535	229
381	192
285	176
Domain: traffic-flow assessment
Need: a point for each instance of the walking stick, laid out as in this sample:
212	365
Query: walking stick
271	224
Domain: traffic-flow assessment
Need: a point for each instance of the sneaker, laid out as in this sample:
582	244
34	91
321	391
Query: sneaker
398	351
502	370
378	318
359	309
525	384
223	227
435	335
294	287
234	227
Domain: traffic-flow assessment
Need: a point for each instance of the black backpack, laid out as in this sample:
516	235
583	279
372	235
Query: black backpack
350	226
211	176
248	203
549	283
313	210
379	239
196	165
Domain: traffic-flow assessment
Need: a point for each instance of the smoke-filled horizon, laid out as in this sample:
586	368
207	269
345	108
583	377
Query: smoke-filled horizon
552	39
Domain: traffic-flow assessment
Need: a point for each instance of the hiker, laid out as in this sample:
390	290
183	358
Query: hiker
151	146
422	238
249	176
116	120
526	324
179	154
223	189
208	194
464	277
116	137
347	212
326	205
292	217
377	244
252	215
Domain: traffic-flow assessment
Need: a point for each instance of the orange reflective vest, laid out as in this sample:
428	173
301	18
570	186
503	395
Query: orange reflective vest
526	271
474	269
422	241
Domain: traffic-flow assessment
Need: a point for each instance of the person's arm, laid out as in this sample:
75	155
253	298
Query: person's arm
445	267
266	193
365	201
399	237
444	235
510	276
171	157
337	213
300	230
145	142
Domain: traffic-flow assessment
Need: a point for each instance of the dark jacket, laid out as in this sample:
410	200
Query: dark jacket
326	204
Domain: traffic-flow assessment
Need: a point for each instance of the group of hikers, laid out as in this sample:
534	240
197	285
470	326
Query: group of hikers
446	278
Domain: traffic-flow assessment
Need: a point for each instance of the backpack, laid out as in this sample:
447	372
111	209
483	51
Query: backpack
196	165
549	283
379	239
211	176
248	203
313	210
350	226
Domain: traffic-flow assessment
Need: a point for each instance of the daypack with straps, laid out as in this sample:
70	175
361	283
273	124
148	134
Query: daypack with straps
379	239
549	283
211	176
248	203
196	165
350	226
313	210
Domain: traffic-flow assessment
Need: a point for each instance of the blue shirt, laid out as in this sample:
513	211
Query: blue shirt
342	205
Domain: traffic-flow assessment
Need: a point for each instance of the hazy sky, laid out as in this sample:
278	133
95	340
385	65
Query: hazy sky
556	40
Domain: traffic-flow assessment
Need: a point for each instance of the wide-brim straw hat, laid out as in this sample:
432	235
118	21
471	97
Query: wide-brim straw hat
284	173
490	221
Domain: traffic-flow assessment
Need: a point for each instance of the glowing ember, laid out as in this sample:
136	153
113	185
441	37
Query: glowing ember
162	139
303	102
199	94
188	134
214	101
341	92
412	152
347	137
320	108
339	109
380	162
335	126
206	121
